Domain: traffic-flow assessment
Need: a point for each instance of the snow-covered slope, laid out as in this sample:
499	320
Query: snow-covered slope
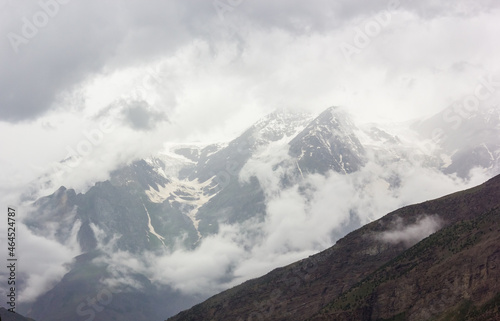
328	143
469	140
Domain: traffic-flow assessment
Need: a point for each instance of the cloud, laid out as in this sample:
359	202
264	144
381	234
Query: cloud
201	271
300	220
42	260
64	52
211	85
412	233
140	116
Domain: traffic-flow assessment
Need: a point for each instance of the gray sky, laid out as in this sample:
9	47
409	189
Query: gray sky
204	70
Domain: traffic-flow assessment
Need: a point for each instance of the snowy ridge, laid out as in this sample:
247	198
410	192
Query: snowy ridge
278	125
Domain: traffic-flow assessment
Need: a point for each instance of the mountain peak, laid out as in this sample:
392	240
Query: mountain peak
337	117
280	123
328	143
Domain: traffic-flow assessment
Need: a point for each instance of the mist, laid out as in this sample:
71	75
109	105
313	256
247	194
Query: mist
297	224
413	233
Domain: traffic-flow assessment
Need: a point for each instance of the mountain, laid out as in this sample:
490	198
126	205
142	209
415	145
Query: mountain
184	196
390	269
9	316
118	207
328	143
276	126
152	205
468	139
82	294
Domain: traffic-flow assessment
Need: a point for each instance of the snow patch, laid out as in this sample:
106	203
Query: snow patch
489	152
151	228
191	194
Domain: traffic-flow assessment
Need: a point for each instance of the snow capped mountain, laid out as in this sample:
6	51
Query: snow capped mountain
468	139
328	143
181	200
230	159
277	125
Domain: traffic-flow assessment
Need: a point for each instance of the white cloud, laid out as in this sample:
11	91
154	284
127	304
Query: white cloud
413	233
298	223
42	260
211	88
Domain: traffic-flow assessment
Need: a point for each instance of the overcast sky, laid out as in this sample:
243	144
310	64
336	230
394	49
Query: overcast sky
114	80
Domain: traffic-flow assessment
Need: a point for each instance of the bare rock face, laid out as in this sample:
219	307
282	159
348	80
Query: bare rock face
452	274
452	270
6	315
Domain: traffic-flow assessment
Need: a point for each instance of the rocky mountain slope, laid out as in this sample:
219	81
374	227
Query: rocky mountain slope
9	316
386	270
